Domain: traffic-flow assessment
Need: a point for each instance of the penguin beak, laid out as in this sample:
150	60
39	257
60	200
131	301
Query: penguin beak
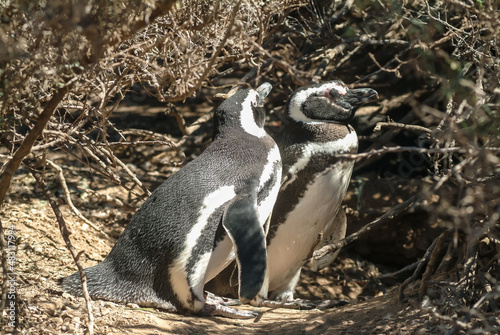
262	92
353	99
359	96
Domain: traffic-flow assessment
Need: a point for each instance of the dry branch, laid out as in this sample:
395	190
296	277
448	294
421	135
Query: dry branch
67	196
423	261
11	167
385	150
212	61
414	128
28	142
433	263
65	235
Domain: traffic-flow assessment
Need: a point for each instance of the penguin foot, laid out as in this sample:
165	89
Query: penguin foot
228	312
214	299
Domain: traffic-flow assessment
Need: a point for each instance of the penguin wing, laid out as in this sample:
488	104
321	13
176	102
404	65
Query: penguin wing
242	224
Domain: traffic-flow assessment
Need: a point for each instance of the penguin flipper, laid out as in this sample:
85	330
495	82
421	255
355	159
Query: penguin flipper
242	224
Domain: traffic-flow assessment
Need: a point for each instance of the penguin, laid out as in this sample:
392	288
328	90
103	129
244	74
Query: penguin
315	129
214	210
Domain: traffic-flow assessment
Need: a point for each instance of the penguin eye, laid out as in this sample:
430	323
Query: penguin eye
254	103
334	94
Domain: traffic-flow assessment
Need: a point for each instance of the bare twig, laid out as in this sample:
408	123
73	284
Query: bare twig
127	170
180	120
65	235
468	275
112	176
423	261
394	275
211	63
137	143
163	138
411	127
25	147
385	67
194	127
327	58
13	164
433	263
347	6
299	77
108	172
114	200
67	196
426	306
386	150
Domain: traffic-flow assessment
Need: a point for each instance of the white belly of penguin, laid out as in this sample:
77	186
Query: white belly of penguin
314	213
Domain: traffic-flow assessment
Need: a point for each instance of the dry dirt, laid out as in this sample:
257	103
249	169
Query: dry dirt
42	258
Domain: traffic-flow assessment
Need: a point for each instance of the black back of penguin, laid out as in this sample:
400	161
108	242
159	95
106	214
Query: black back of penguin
162	256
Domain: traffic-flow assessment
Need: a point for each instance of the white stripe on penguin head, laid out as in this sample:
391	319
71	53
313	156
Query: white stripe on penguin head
247	118
298	100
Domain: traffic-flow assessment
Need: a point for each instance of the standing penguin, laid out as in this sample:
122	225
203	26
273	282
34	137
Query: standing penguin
211	212
316	129
315	180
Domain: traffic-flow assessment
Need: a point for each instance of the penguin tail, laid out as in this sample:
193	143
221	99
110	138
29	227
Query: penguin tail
104	283
96	282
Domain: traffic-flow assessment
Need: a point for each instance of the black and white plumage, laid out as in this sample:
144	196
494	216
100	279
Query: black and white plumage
315	181
316	129
211	212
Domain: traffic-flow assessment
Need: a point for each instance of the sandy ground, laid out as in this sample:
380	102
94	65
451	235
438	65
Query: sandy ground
43	308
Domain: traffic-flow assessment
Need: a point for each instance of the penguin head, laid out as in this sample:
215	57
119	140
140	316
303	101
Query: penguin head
244	109
328	102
